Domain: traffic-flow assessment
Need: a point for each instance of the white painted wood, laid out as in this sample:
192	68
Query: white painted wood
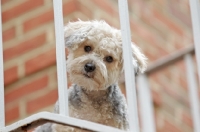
193	92
60	57
146	104
65	120
128	66
2	108
195	15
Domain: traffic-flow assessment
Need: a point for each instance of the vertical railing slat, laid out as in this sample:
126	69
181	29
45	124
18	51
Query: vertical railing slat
193	88
146	104
195	16
60	57
128	65
2	107
193	92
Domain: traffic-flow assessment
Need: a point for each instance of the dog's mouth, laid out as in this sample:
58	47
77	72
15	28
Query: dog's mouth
86	75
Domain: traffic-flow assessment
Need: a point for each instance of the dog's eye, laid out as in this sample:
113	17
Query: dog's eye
109	59
87	48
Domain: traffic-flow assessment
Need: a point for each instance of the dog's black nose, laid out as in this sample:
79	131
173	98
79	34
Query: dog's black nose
89	67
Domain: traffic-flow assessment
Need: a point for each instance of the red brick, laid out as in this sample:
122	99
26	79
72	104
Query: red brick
110	22
186	118
145	34
167	88
20	9
47	17
24	46
171	127
12	114
26	89
38	21
181	65
161	2
136	2
183	82
42	102
168	22
4	1
182	78
181	16
69	7
166	72
40	62
106	6
149	37
159	29
157	100
151	56
85	10
10	75
9	34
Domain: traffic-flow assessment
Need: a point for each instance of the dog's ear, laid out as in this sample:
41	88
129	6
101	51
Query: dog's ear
139	63
139	60
76	33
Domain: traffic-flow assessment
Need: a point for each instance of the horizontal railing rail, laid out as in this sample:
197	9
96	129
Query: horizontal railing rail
169	59
44	117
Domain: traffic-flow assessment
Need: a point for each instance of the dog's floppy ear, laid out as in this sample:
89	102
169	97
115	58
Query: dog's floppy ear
139	63
76	33
139	59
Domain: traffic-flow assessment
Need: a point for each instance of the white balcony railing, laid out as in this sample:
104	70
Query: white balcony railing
145	100
63	117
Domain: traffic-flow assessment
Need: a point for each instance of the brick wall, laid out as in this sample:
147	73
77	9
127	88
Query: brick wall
159	27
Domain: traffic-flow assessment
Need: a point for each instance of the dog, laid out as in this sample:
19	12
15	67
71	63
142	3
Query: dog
95	66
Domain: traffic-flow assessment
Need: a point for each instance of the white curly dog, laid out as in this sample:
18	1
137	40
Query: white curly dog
95	65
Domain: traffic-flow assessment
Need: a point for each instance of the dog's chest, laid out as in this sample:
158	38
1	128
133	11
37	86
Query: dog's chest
99	112
99	109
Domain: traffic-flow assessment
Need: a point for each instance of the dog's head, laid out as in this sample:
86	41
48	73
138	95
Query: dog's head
95	54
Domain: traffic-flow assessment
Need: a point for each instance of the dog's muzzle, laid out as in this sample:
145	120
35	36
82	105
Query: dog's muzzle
89	67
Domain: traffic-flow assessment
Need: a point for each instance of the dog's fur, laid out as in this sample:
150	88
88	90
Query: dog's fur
95	95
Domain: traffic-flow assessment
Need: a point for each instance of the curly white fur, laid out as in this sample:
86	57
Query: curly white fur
95	96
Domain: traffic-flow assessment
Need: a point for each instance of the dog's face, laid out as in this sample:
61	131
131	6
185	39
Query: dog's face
95	54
